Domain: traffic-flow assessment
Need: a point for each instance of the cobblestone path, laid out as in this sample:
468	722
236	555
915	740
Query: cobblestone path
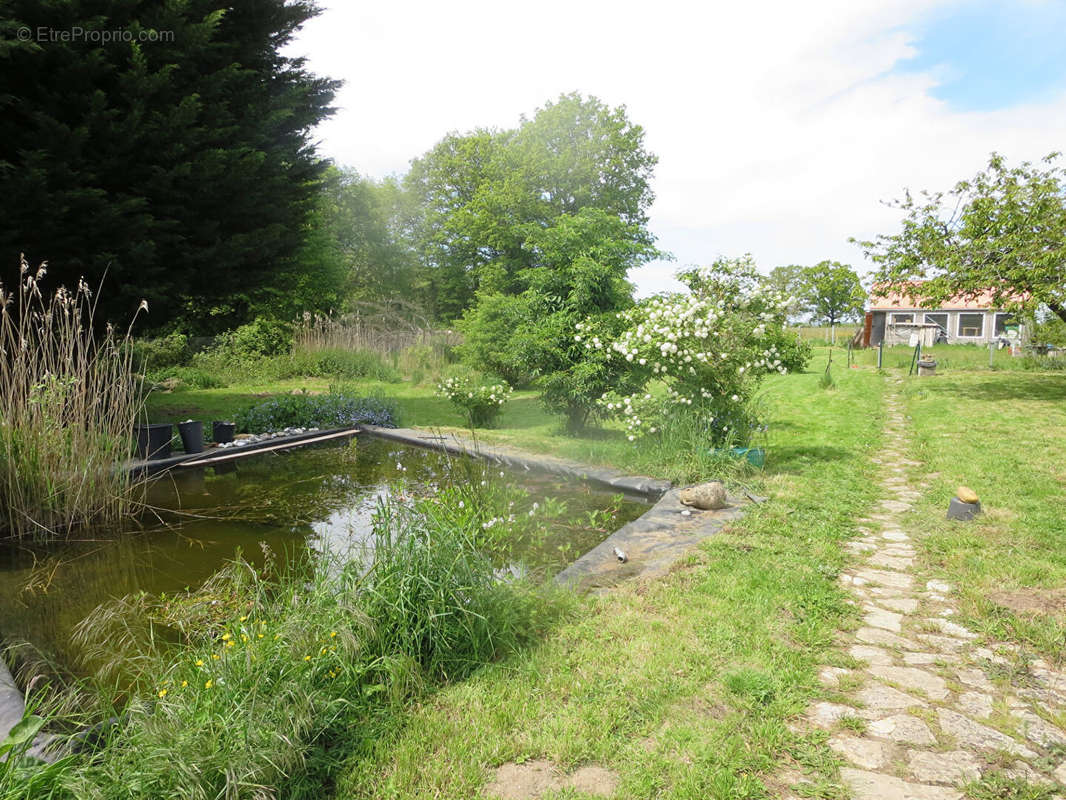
931	708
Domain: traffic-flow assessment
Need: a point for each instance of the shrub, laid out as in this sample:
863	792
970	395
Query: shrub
338	409
68	401
171	350
489	342
261	337
191	377
338	363
710	348
481	405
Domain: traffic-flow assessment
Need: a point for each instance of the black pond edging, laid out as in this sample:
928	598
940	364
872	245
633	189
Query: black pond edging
219	454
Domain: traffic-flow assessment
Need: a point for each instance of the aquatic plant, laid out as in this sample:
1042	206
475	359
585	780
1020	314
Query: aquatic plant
68	400
337	409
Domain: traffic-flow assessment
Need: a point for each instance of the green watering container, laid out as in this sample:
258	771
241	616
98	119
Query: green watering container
755	456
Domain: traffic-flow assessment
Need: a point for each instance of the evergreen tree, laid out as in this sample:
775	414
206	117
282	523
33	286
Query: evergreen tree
166	145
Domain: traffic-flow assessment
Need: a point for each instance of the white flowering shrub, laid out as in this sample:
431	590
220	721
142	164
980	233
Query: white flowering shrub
481	405
701	354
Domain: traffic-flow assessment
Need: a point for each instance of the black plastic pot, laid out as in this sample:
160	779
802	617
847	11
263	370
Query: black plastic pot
153	441
192	436
964	511
222	432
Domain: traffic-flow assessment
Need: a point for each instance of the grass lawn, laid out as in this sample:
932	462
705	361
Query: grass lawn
1003	435
682	686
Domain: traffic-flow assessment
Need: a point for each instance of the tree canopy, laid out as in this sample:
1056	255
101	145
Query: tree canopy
1002	231
177	158
831	291
482	195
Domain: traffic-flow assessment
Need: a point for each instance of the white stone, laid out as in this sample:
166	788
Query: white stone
865	753
974	734
925	659
875	786
954	767
943	643
932	685
904	605
878	697
950	628
871	655
903	728
826	715
1060	773
895	536
974	677
1038	730
882	637
880	618
976	704
891	562
830	676
940	587
881	577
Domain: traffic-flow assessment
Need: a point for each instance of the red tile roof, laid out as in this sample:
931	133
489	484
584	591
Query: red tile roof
881	300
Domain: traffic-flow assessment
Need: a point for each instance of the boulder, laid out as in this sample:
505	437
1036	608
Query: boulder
967	495
709	495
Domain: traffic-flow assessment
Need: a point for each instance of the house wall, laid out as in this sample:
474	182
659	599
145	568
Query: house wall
962	326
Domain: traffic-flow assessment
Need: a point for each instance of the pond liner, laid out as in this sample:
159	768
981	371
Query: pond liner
639	485
651	543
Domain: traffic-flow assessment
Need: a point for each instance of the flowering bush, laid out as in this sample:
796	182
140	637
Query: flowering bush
481	404
709	348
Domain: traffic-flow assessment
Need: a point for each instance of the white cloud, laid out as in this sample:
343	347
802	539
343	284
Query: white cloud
779	125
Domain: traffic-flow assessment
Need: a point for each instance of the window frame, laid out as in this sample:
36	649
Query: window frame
947	319
893	320
995	322
958	325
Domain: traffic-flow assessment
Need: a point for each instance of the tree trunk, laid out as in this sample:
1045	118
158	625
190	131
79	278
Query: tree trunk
1059	310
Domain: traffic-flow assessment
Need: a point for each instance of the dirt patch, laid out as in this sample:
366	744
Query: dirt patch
524	781
1049	602
536	778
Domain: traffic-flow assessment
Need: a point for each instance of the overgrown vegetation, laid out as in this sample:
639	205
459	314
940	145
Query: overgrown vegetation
273	678
339	408
69	400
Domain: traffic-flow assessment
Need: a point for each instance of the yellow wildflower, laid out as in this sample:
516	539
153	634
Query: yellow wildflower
226	637
199	662
215	656
162	692
244	637
244	618
229	643
332	634
259	636
307	658
184	684
209	684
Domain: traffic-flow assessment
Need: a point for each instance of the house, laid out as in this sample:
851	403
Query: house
964	319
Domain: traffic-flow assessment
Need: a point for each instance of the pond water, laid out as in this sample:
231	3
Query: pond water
313	500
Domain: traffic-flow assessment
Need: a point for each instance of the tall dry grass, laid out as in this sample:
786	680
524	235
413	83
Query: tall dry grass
398	332
68	401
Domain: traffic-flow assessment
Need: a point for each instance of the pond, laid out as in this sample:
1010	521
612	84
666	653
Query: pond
297	505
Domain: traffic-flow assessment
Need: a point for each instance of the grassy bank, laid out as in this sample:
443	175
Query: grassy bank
1003	435
681	687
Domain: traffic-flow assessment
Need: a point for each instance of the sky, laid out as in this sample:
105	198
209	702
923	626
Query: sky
781	127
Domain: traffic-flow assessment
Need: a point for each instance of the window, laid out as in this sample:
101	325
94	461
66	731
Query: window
938	319
898	318
972	325
1004	321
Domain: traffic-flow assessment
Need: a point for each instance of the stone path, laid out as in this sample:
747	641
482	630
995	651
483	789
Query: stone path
929	707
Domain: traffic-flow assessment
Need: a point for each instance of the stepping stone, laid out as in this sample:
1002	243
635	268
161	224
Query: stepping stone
974	734
879	618
903	728
932	685
955	767
865	753
890	562
945	644
904	605
875	786
830	676
895	536
826	715
938	586
871	655
882	637
895	506
951	628
897	580
1039	730
877	697
888	591
901	550
976	704
925	659
974	677
859	547
1060	773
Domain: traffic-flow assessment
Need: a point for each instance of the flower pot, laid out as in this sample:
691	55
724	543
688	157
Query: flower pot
153	441
222	432
192	436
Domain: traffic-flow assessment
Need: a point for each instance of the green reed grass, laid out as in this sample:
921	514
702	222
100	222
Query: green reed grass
68	400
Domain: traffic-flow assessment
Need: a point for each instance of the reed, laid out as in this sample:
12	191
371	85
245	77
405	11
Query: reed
69	398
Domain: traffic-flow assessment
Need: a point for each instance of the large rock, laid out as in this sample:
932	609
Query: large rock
710	495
